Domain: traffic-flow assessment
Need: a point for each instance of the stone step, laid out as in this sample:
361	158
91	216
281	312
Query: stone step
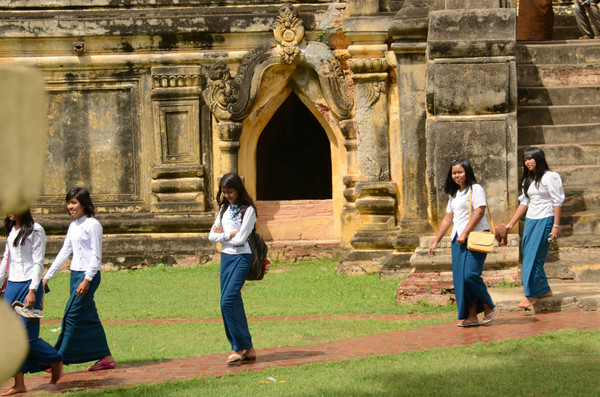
567	296
548	75
548	96
569	52
558	134
581	223
558	115
581	198
569	154
579	175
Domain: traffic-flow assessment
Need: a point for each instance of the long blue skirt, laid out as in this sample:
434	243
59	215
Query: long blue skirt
82	336
234	270
469	288
41	353
535	250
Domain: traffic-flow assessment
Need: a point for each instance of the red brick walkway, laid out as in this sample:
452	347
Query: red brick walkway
506	326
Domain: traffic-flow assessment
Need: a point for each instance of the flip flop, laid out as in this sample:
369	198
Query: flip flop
490	317
102	364
467	323
235	359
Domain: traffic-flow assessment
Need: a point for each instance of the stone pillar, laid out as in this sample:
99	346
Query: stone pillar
471	103
376	194
409	30
349	212
178	176
229	135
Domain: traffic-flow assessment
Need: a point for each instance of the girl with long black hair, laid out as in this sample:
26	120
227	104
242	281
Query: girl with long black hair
24	260
234	223
541	203
471	293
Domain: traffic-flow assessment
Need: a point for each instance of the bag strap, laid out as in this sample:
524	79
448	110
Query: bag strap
487	208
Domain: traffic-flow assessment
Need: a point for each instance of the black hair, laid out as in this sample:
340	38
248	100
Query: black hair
541	166
233	181
83	196
25	230
451	187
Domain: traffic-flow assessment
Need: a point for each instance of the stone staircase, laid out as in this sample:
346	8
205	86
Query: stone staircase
559	111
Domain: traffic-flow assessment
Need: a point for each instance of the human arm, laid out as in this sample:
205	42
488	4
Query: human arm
38	246
556	225
63	255
444	226
216	234
521	210
95	245
248	222
4	263
475	219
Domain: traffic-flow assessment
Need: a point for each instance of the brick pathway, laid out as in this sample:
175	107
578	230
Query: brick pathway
506	326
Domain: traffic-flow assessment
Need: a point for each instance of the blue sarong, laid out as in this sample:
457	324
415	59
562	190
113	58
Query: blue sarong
469	288
41	353
82	336
535	249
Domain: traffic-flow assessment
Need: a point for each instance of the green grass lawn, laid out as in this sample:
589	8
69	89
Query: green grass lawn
560	363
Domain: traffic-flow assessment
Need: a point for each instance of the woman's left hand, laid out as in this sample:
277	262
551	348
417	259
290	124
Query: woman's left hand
83	287
461	239
554	233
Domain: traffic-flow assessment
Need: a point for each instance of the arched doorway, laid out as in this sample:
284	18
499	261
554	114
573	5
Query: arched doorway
293	156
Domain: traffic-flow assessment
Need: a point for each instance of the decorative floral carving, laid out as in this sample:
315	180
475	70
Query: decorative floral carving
289	54
223	90
288	27
374	91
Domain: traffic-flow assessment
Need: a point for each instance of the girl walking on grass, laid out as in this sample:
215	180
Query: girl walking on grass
23	259
471	293
82	336
234	223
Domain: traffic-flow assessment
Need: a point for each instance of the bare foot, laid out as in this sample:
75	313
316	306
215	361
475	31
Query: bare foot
526	303
56	369
14	390
547	294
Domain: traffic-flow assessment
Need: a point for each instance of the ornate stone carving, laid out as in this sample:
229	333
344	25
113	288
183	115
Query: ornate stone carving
231	98
288	27
368	65
374	91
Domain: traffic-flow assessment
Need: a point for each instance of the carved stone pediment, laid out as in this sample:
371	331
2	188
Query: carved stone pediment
232	98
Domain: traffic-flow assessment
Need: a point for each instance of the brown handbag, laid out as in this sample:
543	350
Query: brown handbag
479	241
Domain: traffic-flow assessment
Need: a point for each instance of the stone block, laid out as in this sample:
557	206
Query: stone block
489	144
472	33
469	87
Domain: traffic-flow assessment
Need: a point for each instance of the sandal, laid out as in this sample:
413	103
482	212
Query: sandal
102	364
235	359
468	323
488	318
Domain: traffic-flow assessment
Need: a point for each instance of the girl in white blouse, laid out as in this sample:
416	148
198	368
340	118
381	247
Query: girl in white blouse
541	203
82	336
234	223
470	291
23	259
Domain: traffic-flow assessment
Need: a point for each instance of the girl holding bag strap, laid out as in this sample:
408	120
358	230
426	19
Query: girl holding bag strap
470	291
541	203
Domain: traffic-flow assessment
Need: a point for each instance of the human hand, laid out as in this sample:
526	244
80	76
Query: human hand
461	239
431	249
217	229
232	234
501	234
30	298
554	232
83	287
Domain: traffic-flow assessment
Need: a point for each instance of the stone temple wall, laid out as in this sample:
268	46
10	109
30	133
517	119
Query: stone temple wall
150	102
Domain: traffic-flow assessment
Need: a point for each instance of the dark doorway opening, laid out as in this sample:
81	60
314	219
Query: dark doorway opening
293	156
